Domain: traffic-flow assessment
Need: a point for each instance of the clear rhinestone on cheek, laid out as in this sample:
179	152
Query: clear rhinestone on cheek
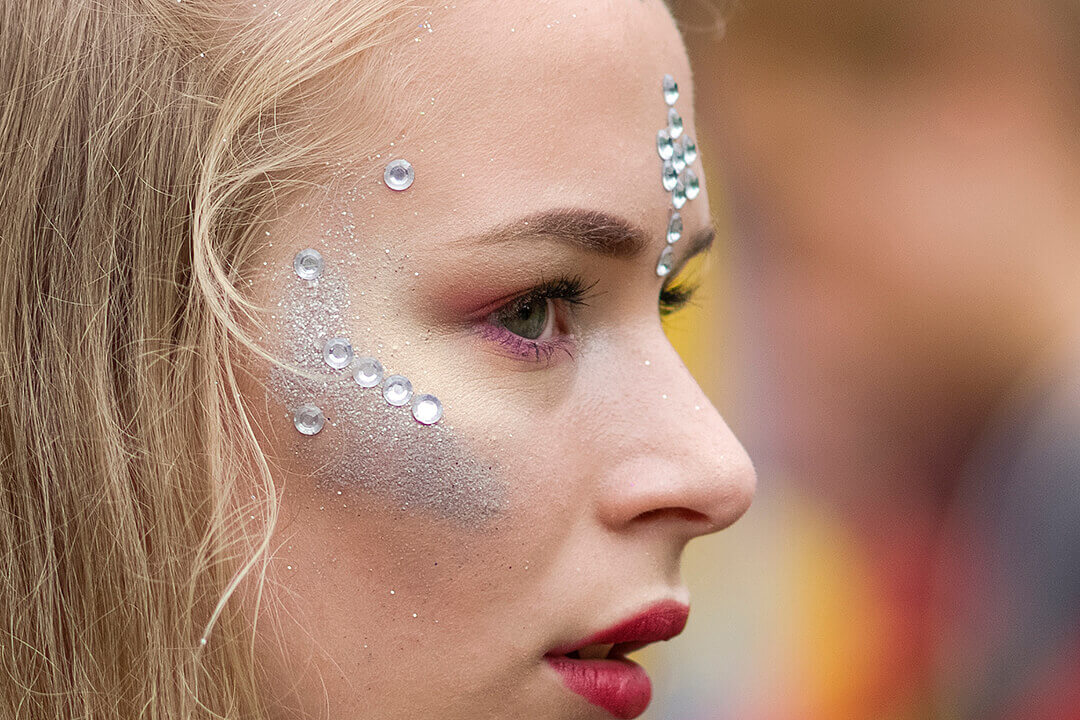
397	390
308	264
427	409
678	195
693	186
399	175
368	372
337	353
665	146
667	261
309	420
671	90
675	123
689	150
678	160
674	228
669	176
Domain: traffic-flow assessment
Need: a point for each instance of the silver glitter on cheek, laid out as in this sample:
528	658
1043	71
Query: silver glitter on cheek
671	90
674	228
368	373
665	146
427	409
337	353
308	264
309	419
397	390
399	175
675	123
666	263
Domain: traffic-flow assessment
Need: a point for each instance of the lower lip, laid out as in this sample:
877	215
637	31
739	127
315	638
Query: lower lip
619	686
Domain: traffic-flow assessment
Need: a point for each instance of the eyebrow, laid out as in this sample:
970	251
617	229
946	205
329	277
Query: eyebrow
593	231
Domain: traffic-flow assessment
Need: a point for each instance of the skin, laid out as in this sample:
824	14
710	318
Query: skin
607	457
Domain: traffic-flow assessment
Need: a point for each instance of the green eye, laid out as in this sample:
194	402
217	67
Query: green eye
527	317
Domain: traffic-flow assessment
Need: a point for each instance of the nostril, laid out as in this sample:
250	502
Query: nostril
676	513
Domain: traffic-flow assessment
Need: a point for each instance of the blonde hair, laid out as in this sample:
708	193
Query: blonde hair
142	142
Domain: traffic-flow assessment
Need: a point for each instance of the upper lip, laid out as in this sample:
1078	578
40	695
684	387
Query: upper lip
660	621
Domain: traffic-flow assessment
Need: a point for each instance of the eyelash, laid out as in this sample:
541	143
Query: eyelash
574	292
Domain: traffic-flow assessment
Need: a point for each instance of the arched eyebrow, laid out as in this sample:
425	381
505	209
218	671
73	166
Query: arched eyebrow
593	231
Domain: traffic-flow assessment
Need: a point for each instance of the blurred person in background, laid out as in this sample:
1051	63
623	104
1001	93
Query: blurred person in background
904	190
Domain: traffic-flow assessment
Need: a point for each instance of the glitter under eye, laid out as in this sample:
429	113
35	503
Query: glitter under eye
666	262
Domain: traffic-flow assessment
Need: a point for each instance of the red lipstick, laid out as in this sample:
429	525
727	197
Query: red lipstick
615	683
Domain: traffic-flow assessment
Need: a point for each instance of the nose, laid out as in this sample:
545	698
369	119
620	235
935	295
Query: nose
675	462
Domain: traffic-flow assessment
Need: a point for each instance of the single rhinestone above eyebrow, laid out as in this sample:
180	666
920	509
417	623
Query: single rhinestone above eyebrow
368	372
689	149
337	353
674	228
308	264
427	409
665	146
678	195
309	420
397	390
671	89
675	123
399	175
666	263
669	176
693	185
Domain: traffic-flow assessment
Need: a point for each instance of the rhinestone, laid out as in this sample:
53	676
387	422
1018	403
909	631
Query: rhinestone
678	195
674	122
309	420
671	90
693	186
674	228
397	390
665	146
337	353
368	372
308	264
678	160
669	177
427	409
667	261
399	175
689	149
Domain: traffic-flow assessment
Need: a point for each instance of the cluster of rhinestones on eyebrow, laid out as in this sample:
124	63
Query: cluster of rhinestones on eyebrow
367	371
678	152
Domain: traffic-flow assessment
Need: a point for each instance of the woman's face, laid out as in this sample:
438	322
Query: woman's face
449	570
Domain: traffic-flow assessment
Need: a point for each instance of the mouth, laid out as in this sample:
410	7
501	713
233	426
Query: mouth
596	667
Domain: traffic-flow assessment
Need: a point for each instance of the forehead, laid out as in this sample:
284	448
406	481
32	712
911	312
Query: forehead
510	104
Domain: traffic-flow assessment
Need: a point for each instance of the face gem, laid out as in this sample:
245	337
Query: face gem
665	146
671	89
689	150
674	228
667	261
337	353
308	264
678	195
675	123
427	409
368	372
309	420
669	177
399	175
693	186
678	160
397	390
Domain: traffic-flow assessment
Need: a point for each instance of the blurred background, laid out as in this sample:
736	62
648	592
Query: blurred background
891	326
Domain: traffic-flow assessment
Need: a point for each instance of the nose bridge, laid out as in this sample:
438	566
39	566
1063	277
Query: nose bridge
677	457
